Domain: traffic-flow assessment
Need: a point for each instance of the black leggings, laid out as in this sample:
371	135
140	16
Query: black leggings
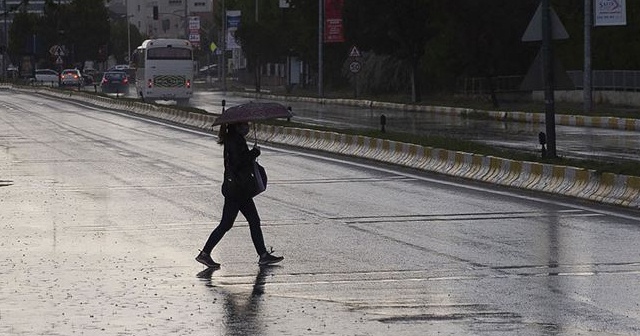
229	214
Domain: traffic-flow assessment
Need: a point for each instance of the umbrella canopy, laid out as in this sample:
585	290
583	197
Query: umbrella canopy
252	112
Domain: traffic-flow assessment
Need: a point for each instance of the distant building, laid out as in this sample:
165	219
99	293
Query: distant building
173	15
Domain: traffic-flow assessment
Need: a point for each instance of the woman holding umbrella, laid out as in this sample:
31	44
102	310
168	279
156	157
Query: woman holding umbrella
237	157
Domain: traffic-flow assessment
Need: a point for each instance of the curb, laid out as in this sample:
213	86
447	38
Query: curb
575	182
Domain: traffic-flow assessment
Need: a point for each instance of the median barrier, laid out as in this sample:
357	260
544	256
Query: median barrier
605	185
408	154
619	187
630	197
475	163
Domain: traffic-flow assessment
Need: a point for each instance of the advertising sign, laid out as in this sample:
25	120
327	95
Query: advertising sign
609	13
194	30
233	22
333	28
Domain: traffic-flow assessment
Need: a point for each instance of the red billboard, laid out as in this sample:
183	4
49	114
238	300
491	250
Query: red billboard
333	27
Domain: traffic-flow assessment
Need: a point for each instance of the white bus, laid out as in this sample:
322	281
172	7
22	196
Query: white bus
164	70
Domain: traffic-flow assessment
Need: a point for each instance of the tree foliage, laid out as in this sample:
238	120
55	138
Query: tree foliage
86	28
82	26
434	42
402	30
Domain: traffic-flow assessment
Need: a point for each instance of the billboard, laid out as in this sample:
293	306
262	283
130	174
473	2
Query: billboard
333	27
233	22
609	13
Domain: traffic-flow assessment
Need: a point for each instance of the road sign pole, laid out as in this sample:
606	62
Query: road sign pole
587	91
223	58
320	48
549	100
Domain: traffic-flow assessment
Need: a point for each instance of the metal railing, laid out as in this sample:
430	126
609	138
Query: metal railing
602	80
482	85
609	80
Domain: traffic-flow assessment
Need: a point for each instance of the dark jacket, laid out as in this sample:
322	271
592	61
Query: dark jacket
237	155
238	163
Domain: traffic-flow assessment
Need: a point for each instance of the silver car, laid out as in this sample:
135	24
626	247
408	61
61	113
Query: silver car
71	77
46	77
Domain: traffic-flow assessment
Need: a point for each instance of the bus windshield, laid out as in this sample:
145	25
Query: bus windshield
169	53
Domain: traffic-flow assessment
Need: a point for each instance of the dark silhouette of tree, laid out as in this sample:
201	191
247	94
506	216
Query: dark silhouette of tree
401	29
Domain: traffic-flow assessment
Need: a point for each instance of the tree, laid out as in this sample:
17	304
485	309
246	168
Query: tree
487	43
121	32
262	38
87	24
400	29
22	33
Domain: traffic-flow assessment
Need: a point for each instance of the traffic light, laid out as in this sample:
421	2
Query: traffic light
155	12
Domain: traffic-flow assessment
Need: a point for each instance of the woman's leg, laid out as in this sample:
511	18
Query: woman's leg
229	214
249	211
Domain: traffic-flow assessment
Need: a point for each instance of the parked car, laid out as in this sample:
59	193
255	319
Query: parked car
211	69
87	79
119	67
12	71
89	76
131	71
71	77
46	77
115	82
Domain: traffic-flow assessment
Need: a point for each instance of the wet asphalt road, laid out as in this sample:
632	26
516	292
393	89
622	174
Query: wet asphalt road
571	142
101	215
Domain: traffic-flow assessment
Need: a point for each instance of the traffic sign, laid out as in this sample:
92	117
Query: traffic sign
355	67
354	52
56	50
194	23
534	29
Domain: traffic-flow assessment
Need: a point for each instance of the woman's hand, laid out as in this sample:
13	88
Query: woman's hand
255	151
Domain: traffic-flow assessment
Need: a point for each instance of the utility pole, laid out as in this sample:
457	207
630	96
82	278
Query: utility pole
6	41
258	65
320	48
186	19
587	74
547	68
128	34
223	56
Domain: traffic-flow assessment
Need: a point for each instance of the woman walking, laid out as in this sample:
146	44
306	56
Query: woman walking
237	157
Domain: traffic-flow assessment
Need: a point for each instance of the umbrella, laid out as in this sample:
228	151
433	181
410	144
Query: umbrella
252	112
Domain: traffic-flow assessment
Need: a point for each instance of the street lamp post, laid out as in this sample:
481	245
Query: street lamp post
547	66
6	40
320	48
587	91
223	56
128	58
128	41
128	33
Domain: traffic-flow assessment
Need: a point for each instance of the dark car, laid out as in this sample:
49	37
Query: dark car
115	82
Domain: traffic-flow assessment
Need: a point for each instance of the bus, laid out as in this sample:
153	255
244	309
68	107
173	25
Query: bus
164	70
